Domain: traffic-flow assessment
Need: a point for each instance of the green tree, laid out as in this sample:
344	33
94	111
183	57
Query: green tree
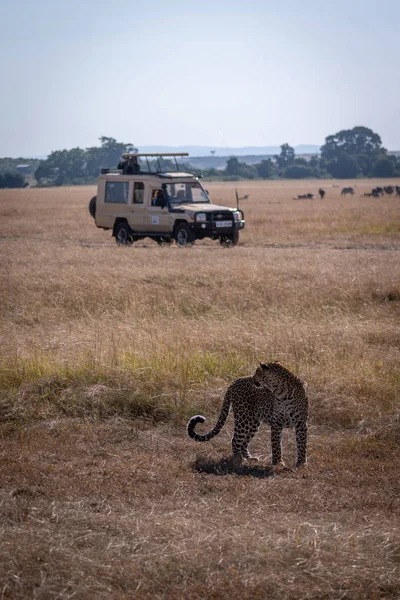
107	154
298	171
210	173
232	166
266	169
286	156
360	144
343	167
383	167
62	166
77	165
301	161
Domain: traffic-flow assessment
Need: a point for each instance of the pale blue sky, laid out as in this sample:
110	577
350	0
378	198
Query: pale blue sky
209	73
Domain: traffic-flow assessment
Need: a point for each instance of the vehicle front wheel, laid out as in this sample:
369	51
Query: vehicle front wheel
123	235
183	235
228	241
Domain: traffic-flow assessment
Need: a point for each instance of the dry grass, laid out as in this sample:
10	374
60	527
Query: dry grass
106	351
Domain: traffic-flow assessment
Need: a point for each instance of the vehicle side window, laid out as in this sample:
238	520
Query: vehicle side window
158	198
138	192
117	192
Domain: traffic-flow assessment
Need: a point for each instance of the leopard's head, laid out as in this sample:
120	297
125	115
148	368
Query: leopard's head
265	372
273	374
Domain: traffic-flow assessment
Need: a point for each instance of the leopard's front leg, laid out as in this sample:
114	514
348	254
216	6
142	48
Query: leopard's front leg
276	442
301	444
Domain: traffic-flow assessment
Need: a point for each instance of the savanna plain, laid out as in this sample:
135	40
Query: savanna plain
106	351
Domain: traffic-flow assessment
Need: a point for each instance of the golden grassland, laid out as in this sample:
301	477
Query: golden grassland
105	352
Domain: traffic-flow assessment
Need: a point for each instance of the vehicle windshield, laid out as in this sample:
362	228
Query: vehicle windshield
184	192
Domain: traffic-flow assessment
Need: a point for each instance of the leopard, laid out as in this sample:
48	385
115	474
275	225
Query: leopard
273	395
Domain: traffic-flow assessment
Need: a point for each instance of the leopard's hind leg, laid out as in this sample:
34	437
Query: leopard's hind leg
243	437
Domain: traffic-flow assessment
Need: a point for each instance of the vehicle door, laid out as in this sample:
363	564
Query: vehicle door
137	207
158	216
115	205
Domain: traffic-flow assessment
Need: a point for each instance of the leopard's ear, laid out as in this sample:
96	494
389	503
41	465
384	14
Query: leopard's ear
263	365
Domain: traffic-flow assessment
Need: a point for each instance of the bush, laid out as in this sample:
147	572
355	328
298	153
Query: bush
266	169
343	167
10	179
298	172
383	167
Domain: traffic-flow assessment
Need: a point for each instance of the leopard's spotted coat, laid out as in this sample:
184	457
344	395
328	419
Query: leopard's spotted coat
273	395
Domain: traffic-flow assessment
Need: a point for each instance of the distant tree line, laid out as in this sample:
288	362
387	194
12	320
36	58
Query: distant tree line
348	154
81	165
12	171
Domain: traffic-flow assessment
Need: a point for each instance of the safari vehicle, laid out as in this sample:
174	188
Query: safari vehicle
134	204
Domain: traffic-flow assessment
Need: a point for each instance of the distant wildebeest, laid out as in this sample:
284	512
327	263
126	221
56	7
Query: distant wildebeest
321	193
388	189
304	196
348	190
377	191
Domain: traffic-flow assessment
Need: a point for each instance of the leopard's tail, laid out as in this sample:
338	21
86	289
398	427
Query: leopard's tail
200	419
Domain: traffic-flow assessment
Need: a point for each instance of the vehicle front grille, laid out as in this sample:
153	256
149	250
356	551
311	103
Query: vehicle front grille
221	215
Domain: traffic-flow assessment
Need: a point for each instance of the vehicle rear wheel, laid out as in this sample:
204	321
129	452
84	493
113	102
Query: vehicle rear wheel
228	241
92	206
123	234
183	235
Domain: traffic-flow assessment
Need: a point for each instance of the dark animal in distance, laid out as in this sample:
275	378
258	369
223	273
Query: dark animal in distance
347	190
378	191
321	193
304	197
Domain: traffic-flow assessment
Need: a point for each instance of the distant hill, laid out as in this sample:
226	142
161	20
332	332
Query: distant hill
226	152
219	162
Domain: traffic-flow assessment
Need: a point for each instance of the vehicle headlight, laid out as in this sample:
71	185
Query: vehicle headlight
201	217
236	216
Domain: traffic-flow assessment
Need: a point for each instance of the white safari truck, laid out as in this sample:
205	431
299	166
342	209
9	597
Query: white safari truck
135	203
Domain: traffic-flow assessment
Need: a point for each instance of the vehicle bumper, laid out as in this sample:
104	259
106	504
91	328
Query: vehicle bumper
211	230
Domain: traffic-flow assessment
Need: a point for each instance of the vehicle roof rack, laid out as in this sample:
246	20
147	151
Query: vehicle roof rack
153	154
157	155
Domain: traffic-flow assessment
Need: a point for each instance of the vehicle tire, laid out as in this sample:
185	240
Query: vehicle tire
164	240
92	206
228	241
183	235
123	234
